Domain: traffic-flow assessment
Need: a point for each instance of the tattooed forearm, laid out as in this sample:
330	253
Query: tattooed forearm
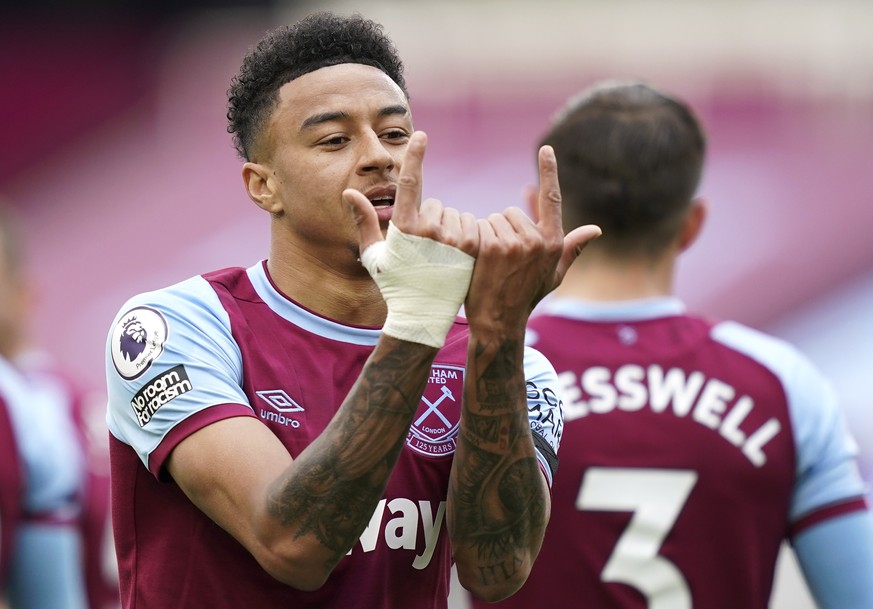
332	488
495	367
498	488
498	508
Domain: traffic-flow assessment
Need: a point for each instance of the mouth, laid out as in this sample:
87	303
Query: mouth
382	197
382	202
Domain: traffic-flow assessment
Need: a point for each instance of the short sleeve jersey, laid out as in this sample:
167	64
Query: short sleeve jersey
229	344
691	450
87	413
40	457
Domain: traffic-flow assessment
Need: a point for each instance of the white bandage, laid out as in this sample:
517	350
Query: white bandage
424	282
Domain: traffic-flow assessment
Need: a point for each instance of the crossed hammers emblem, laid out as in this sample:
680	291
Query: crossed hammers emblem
432	407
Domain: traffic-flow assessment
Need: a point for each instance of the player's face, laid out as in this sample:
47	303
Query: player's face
345	126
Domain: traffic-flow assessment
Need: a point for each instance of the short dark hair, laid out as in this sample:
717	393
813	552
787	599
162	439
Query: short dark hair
630	158
318	40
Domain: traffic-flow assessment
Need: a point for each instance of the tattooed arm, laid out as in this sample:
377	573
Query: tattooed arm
298	519
499	501
498	498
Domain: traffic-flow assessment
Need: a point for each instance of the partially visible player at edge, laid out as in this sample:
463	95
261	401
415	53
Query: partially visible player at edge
321	429
692	448
44	551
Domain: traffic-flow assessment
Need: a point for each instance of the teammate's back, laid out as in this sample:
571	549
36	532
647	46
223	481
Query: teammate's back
692	448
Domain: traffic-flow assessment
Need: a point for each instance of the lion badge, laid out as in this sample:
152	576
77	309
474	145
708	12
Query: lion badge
137	341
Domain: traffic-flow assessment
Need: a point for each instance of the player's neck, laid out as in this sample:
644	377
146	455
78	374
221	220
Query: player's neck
312	281
607	280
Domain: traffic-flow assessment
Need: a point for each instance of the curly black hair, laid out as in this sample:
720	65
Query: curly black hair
319	40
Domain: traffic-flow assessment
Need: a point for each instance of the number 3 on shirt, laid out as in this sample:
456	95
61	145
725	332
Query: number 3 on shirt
655	496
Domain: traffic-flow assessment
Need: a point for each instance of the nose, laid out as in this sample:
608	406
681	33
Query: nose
375	155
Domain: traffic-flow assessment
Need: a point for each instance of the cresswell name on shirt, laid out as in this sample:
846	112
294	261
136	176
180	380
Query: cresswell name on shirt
708	401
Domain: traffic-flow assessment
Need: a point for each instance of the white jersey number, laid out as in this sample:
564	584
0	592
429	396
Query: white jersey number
655	496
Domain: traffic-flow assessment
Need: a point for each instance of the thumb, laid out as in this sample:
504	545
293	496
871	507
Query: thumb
574	242
366	221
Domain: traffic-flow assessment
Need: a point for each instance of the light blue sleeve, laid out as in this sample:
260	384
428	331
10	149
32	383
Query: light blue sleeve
826	464
46	571
48	445
545	408
169	354
836	558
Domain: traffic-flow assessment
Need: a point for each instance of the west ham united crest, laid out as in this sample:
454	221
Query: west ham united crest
434	429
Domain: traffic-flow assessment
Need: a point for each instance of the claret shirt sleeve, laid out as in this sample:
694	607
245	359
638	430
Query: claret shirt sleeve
170	357
545	409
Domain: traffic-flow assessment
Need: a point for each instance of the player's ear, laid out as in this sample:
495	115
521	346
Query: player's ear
261	187
693	222
530	194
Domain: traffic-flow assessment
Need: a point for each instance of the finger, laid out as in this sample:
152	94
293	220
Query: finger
364	215
521	223
451	224
408	198
486	233
574	243
500	226
470	232
549	193
430	216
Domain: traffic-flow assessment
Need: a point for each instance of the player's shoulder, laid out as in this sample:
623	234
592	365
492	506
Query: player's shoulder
163	295
756	344
780	356
183	314
188	295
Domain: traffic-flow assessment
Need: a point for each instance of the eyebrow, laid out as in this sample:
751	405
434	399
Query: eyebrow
326	117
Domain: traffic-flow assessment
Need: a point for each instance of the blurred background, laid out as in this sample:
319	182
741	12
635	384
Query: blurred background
116	157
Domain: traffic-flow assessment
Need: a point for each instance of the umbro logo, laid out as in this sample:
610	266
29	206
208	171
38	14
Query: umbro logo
279	400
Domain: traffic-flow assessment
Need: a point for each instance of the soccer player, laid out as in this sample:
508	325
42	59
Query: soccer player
87	412
43	548
692	447
321	429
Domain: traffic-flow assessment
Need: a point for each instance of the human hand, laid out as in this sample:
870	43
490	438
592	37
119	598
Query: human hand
519	261
410	214
423	264
549	221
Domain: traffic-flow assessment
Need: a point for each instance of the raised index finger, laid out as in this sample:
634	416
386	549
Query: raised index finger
549	194
408	198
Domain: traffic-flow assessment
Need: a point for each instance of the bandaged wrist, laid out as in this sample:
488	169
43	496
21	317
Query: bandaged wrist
424	282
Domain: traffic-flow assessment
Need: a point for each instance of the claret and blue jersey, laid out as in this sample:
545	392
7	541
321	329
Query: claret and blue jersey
228	344
691	450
